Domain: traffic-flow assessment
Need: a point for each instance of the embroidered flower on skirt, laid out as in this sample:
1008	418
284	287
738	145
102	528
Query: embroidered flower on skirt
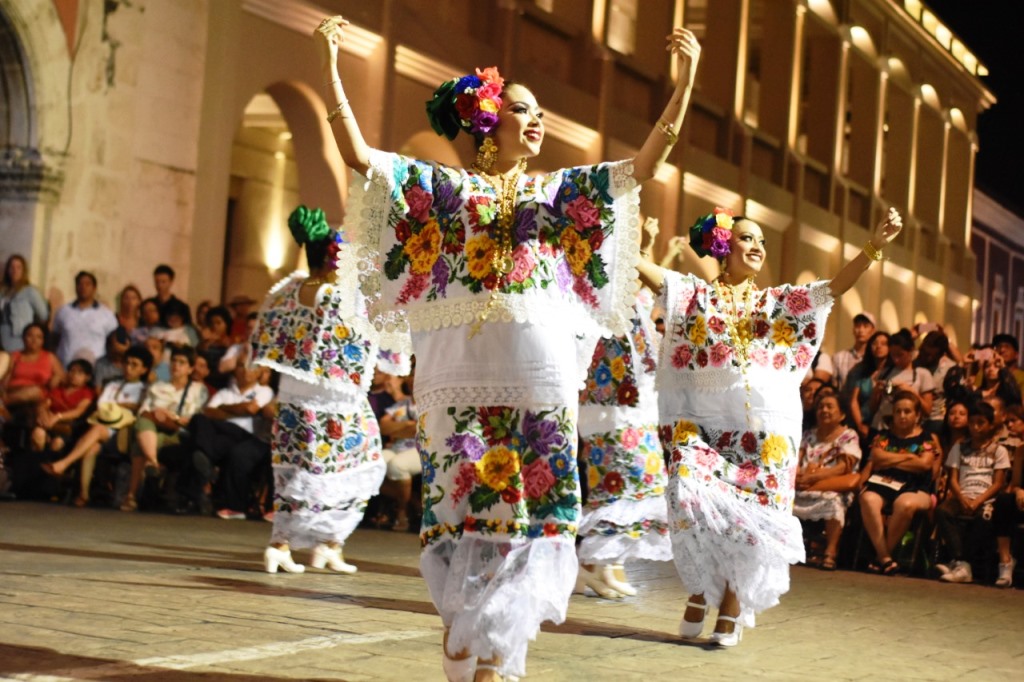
499	471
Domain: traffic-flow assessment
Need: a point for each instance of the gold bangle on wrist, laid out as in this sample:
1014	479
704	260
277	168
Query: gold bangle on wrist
337	111
872	252
668	130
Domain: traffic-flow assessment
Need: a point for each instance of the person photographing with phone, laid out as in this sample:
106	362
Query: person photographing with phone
896	375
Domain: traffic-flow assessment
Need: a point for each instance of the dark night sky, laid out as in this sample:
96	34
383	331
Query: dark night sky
994	31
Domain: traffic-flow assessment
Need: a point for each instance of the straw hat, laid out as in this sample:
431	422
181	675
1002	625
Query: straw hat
112	416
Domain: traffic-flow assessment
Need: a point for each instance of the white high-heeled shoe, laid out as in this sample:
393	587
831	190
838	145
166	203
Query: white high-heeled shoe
591	579
325	555
692	629
459	669
273	558
610	576
728	638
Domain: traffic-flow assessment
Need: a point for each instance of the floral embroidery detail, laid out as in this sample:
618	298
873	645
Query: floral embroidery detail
623	464
756	466
562	219
314	340
508	470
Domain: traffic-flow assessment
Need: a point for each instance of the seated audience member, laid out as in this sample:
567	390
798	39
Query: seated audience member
997	381
161	352
1008	348
201	374
861	382
163	282
129	304
827	474
177	331
111	366
223	435
218	321
897	479
241	308
20	304
383	395
399	425
899	375
82	326
1008	511
32	372
115	413
240	350
845	360
199	321
977	472
149	322
165	411
808	392
932	356
954	429
64	405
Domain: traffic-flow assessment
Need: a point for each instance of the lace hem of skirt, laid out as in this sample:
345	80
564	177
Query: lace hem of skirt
494	595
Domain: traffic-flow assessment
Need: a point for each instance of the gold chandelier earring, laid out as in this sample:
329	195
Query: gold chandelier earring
486	155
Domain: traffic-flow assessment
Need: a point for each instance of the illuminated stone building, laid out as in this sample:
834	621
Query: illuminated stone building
184	132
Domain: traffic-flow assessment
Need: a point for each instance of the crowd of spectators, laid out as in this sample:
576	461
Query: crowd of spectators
150	406
912	450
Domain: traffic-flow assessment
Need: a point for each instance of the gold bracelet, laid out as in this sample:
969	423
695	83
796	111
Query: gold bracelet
668	130
337	111
872	252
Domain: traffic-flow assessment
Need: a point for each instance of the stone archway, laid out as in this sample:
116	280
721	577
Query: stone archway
33	51
281	157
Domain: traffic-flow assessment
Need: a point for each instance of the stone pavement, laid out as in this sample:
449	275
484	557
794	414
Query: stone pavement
100	595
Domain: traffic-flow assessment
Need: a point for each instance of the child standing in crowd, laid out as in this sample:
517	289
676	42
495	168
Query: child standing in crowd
978	468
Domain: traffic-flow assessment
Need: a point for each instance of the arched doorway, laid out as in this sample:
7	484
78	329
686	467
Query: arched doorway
281	156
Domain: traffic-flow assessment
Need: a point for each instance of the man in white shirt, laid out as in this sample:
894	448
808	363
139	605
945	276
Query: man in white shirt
845	360
83	325
223	436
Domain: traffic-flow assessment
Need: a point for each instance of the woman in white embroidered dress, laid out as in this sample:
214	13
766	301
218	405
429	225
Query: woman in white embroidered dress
624	518
498	273
326	444
728	392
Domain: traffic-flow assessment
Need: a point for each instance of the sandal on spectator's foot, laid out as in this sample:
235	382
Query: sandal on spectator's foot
81	501
828	563
128	504
689	629
890	567
48	469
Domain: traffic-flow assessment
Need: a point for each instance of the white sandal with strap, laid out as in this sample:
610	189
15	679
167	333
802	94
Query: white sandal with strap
690	629
728	638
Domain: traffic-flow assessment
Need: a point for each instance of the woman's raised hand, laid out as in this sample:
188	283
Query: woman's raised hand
329	36
683	43
888	228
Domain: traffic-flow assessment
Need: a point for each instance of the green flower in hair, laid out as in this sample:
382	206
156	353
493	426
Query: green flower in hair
441	110
308	225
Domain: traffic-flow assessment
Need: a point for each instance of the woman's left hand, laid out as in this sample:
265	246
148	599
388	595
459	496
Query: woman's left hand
888	229
683	43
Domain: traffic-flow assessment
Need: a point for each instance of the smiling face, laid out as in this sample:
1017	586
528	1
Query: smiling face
746	250
520	131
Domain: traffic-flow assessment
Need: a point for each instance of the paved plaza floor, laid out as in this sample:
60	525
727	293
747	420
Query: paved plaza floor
92	594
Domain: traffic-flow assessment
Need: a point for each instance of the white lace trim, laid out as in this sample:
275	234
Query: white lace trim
368	207
494	595
717	539
494	395
342	495
649	545
322	396
814	505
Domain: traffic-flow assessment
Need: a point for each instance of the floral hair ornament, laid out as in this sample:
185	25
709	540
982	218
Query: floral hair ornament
710	235
470	103
310	225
